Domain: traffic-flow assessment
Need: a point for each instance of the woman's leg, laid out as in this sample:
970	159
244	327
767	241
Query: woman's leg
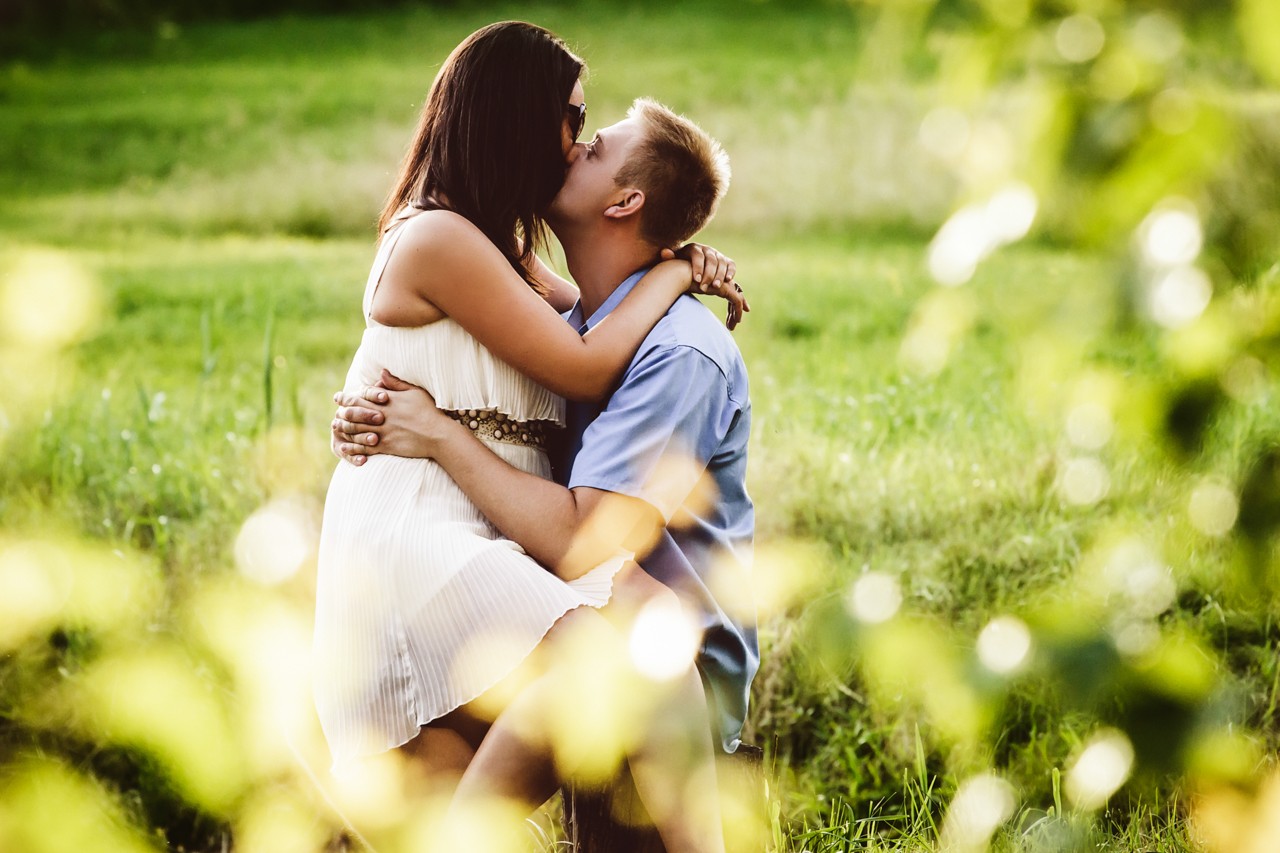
443	749
674	766
515	761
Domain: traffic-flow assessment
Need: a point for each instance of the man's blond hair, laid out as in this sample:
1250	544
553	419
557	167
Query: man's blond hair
682	171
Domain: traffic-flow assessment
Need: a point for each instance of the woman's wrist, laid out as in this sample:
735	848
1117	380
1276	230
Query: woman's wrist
443	434
676	275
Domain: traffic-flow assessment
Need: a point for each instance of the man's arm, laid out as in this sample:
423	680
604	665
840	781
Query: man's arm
641	460
569	531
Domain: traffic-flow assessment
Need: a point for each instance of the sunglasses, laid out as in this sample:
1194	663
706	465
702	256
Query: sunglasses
577	114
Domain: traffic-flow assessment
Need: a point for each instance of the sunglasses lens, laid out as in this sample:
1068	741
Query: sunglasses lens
577	119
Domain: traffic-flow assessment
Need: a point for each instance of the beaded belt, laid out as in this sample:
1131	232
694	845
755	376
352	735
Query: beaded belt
495	426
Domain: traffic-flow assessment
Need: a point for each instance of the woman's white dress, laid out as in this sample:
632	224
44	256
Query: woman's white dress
421	604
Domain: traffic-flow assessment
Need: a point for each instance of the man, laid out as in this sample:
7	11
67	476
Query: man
666	456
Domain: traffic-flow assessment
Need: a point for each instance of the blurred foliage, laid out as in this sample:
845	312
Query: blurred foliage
1144	132
1019	487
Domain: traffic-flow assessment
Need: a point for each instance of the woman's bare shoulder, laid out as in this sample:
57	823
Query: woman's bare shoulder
424	256
436	252
441	249
443	231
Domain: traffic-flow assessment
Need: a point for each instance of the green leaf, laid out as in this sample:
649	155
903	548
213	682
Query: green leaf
1259	23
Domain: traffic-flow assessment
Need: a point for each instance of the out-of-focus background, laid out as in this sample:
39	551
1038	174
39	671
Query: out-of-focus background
1013	266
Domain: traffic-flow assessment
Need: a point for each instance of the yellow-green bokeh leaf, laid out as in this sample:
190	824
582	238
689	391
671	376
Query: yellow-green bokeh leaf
1259	25
1160	165
46	582
1181	668
153	700
45	807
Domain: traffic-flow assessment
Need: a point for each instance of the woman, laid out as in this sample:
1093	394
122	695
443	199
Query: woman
414	584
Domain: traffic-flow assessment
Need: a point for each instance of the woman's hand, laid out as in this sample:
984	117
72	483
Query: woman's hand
711	267
713	274
392	418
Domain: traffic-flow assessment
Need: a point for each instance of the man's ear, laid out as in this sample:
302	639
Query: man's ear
631	203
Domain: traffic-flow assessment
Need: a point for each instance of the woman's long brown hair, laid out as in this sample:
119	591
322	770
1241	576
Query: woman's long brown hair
489	137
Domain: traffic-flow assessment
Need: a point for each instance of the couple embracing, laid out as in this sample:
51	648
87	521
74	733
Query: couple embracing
448	526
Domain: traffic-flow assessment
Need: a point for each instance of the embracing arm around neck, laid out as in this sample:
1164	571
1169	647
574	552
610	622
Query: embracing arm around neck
444	261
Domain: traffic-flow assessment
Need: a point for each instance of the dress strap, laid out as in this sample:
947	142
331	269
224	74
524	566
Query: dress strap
389	239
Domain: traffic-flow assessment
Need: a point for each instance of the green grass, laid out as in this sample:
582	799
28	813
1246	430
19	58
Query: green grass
220	184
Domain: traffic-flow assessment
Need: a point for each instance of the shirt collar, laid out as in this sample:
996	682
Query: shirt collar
619	293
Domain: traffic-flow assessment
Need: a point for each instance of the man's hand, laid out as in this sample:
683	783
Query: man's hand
713	274
348	436
392	417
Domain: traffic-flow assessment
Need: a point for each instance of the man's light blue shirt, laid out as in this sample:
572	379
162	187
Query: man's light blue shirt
682	411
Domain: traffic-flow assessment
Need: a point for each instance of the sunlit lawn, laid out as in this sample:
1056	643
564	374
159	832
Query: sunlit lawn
219	185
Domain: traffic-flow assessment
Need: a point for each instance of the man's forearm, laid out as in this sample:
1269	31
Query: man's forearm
568	531
540	515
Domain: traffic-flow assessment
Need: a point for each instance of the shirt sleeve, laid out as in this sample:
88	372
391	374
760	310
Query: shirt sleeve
659	431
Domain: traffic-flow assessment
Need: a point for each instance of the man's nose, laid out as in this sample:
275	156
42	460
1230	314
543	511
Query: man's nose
575	151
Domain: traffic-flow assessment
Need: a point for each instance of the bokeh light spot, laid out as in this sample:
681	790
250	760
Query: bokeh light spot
1089	425
1004	644
1084	481
1245	380
980	805
875	597
664	640
47	300
1116	76
1136	638
976	230
1180	296
1079	38
275	541
1101	769
1213	508
1158	35
1172	235
961	243
492	825
1011	212
1150	588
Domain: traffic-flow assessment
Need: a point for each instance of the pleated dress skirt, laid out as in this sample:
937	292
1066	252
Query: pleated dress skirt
421	604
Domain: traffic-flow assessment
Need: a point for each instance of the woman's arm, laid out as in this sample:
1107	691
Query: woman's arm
446	261
710	268
561	293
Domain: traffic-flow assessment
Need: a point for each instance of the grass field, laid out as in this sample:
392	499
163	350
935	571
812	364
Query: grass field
210	195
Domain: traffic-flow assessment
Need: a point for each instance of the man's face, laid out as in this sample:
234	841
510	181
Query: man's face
589	188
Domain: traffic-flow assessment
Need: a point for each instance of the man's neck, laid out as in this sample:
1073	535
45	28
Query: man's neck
600	261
